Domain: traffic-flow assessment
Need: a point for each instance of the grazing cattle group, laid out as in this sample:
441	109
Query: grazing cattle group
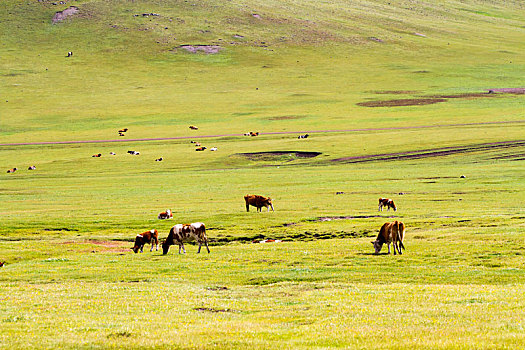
258	202
385	202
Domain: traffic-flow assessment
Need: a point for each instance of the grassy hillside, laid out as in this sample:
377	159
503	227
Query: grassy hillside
314	61
395	98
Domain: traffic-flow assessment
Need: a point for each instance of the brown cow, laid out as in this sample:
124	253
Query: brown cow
385	202
12	170
390	232
258	202
188	232
151	236
202	148
193	127
165	215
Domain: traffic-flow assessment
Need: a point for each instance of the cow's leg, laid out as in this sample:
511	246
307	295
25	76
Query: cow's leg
141	248
199	250
247	207
388	245
394	244
181	245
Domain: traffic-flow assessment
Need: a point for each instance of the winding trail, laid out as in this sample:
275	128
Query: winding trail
262	133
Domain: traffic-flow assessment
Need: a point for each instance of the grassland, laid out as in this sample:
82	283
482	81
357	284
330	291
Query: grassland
70	279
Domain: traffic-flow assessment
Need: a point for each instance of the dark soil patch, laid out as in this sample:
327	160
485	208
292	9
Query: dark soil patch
62	15
278	155
428	153
402	102
60	229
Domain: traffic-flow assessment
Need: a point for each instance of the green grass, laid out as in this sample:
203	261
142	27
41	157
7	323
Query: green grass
70	279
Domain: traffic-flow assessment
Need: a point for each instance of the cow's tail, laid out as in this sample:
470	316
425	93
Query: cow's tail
400	234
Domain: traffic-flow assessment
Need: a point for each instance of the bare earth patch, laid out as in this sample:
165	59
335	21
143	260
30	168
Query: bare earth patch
62	15
277	155
207	49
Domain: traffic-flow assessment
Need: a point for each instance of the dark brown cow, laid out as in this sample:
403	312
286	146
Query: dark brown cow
183	233
193	127
151	236
385	202
12	170
98	155
390	232
202	148
258	202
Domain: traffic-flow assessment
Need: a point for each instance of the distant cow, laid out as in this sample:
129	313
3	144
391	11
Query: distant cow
123	130
258	202
200	148
98	155
135	153
159	159
193	127
256	133
213	149
165	215
151	236
69	54
183	233
385	202
12	170
32	167
303	136
390	232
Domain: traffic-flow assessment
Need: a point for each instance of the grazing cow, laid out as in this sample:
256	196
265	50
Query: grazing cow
193	127
112	153
69	54
12	170
303	136
121	134
390	232
246	134
256	133
123	130
200	148
135	153
151	236
165	215
258	202
197	144
213	149
385	202
32	167
184	233
98	155
2	263
159	159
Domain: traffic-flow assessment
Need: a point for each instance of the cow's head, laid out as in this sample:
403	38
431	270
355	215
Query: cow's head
269	202
377	246
135	249
165	247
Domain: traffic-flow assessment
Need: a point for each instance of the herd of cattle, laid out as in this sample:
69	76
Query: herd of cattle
390	233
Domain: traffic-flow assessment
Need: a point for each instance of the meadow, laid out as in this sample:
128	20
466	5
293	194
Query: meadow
449	153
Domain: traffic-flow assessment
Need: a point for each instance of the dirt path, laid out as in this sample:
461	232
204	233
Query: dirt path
262	133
